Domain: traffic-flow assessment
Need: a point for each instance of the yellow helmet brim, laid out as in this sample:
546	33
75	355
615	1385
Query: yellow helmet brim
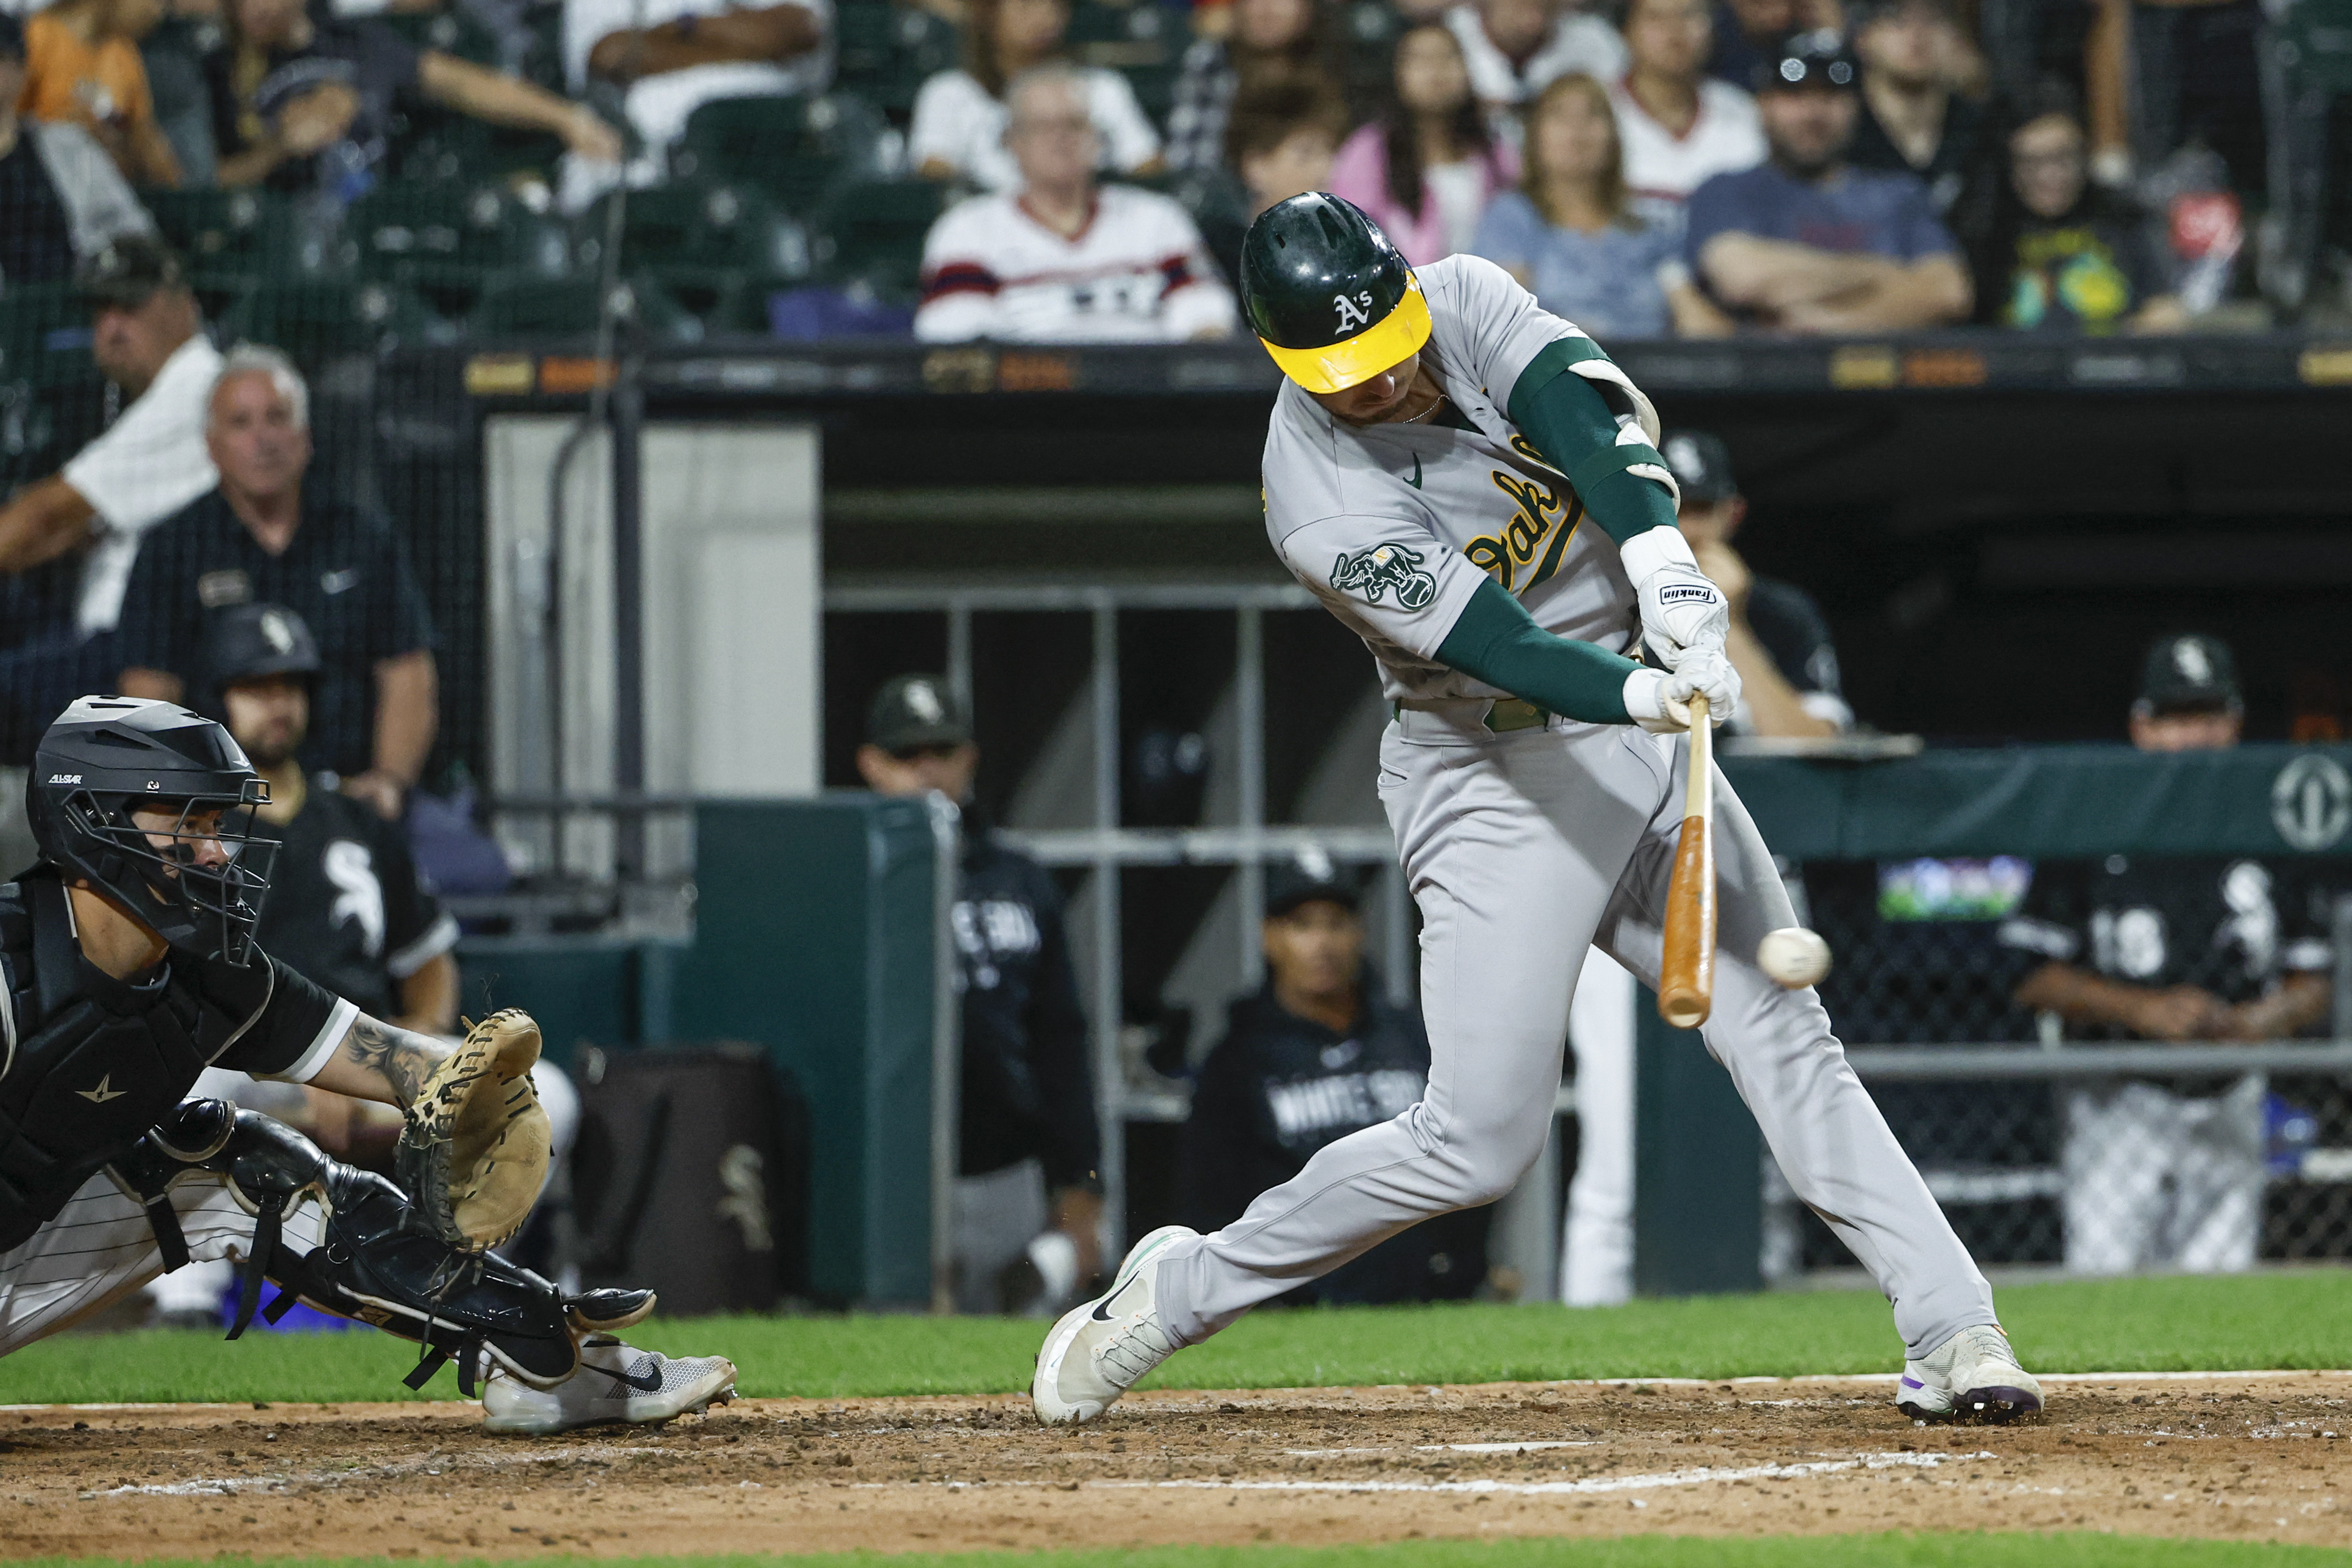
1391	340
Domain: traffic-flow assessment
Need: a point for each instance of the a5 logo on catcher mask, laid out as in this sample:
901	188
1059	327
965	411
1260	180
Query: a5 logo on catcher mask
153	805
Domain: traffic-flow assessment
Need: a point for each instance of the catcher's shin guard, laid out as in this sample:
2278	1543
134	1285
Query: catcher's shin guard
379	1264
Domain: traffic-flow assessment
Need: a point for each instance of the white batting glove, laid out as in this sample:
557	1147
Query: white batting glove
1681	609
1659	700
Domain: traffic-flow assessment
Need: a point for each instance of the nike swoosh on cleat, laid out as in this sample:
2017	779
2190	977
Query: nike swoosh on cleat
650	1384
1102	1308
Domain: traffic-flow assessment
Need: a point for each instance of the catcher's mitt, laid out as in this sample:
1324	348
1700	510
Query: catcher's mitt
475	1150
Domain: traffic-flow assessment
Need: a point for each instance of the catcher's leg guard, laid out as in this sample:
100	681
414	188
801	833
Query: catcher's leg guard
378	1264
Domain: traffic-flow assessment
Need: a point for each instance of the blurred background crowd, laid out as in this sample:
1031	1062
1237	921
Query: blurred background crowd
1083	170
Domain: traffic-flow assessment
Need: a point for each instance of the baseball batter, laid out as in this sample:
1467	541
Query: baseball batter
1471	485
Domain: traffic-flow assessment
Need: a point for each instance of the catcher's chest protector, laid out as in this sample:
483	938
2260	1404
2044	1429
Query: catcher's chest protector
80	1081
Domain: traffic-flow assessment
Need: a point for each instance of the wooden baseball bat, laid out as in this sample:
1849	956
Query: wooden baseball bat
1686	979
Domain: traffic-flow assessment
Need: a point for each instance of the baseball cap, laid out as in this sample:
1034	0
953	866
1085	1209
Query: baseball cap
1311	878
1819	58
914	711
2190	672
252	642
127	271
1701	464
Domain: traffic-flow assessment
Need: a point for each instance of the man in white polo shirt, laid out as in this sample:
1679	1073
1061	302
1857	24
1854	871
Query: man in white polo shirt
1063	259
1678	126
147	335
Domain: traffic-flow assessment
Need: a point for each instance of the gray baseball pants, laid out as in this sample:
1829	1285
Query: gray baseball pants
1521	849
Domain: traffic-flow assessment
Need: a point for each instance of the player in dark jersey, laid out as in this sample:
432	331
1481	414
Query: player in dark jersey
1780	641
346	907
127	966
2168	1172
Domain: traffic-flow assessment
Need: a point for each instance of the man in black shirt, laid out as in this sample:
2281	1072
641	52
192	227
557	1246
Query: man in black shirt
128	965
1914	119
265	536
1029	1202
2167	1173
1780	641
1314	1055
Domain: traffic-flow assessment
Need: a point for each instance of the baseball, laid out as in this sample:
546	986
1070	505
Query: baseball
1793	957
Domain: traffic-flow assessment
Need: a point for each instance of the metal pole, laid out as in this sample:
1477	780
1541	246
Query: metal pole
1111	1076
628	614
959	652
2342	934
1249	726
946	1045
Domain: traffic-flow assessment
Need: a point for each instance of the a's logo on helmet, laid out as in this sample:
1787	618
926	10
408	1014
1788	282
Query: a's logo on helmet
1374	573
1354	313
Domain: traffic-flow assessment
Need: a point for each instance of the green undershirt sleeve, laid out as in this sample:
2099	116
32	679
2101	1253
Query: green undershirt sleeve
1570	422
1495	641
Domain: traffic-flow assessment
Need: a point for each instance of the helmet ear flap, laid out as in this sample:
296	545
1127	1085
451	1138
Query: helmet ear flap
109	867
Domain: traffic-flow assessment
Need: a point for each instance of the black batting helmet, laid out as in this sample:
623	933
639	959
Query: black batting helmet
107	757
1327	293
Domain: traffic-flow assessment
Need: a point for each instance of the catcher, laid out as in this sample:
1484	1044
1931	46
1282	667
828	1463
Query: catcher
127	966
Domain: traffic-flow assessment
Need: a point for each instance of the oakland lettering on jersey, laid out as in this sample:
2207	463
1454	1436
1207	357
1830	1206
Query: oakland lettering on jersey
1541	520
1375	572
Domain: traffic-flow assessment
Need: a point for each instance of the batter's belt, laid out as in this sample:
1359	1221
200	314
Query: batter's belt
1469	718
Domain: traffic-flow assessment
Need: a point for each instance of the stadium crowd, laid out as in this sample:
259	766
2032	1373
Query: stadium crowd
1082	170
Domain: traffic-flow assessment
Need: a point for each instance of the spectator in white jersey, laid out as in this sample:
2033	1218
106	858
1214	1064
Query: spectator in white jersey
1064	260
1678	124
1780	640
1516	48
76	533
960	130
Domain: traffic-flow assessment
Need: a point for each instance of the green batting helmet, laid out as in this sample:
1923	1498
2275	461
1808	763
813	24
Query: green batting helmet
1327	293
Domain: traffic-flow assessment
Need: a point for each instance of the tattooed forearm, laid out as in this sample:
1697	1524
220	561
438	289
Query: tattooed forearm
400	1057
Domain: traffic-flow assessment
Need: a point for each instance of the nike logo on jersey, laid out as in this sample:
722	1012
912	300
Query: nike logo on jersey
649	1383
103	1092
1415	480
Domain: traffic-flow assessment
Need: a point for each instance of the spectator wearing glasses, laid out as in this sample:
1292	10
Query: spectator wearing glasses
264	536
962	117
2166	1172
1568	236
1804	242
2059	254
1426	168
1063	259
1515	48
1679	125
83	67
1916	117
1028	1203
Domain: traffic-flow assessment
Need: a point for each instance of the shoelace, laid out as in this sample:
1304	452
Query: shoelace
1137	1347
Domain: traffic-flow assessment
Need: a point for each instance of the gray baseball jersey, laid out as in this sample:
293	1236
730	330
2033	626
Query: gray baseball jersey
1393	525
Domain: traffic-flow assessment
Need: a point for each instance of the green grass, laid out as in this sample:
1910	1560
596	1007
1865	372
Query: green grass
2076	1550
2285	1320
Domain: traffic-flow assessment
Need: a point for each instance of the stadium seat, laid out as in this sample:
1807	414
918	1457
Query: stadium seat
871	232
526	305
225	232
321	319
444	240
792	149
717	250
44	336
884	52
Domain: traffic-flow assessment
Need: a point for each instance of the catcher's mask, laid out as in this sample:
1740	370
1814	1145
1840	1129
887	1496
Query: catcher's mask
192	872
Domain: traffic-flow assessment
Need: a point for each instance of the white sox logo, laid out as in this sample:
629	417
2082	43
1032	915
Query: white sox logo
1374	572
1354	313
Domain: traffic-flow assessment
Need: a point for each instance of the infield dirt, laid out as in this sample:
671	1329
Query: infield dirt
2266	1456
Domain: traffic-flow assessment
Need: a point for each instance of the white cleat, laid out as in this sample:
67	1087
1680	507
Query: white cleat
617	1381
1971	1376
1099	1350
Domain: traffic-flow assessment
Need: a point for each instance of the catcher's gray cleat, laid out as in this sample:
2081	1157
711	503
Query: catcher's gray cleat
1971	1376
1099	1350
615	1382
